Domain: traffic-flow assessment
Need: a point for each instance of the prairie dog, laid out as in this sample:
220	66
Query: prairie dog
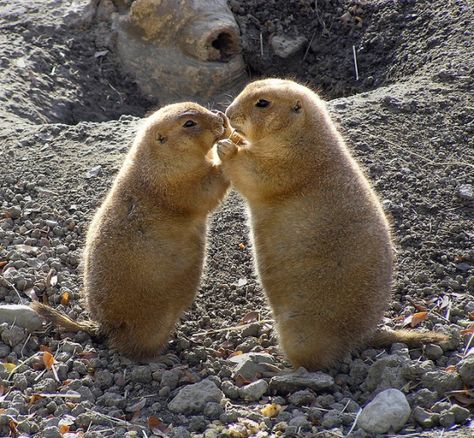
145	246
322	243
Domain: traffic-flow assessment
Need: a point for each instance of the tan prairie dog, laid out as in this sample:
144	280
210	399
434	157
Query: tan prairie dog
145	246
322	244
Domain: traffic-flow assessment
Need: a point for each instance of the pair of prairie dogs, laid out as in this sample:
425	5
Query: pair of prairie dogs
322	243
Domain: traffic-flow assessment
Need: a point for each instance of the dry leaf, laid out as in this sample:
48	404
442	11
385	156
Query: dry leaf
241	246
89	354
415	319
13	431
451	369
48	360
235	353
10	367
65	297
271	410
34	398
471	316
418	307
51	279
250	317
63	428
157	426
468	331
241	380
444	302
3	263
31	294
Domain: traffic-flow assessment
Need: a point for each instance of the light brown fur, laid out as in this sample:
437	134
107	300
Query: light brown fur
145	246
322	243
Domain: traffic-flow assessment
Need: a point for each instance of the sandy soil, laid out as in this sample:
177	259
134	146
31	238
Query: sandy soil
67	116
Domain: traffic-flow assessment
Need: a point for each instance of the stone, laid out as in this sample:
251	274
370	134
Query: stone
386	372
193	398
94	172
301	379
424	418
466	369
389	410
461	415
285	46
441	381
253	365
466	192
433	351
20	315
302	398
13	335
141	374
253	391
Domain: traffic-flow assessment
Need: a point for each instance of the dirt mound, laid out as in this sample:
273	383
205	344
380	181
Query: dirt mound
409	120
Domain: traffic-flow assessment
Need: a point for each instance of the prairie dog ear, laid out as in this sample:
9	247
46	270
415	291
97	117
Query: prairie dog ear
297	107
160	138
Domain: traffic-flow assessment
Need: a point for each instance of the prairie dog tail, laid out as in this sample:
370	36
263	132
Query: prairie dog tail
412	338
60	320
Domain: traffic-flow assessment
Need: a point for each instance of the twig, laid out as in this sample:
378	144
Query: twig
355	62
261	45
354	423
468	344
309	45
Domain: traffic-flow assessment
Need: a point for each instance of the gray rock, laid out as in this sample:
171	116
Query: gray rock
193	398
461	415
286	46
141	374
387	372
213	410
230	390
13	335
447	419
331	419
441	381
94	172
253	391
170	378
466	369
251	365
433	351
466	192
14	212
301	379
424	418
388	410
51	432
20	315
301	422
302	398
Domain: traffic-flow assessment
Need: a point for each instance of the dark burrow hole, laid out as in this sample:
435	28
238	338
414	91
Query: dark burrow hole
226	46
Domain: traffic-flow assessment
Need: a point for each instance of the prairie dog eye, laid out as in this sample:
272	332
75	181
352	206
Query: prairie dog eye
189	123
262	103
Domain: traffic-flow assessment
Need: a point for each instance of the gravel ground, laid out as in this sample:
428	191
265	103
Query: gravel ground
67	117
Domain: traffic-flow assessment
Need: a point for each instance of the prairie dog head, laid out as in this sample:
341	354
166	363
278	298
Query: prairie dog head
182	130
270	107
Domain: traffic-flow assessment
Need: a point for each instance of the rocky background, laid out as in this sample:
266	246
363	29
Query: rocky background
67	117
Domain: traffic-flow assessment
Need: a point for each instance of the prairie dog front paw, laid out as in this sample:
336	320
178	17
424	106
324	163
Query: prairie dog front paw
226	149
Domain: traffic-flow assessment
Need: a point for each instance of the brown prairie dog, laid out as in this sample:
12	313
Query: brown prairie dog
322	243
145	246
